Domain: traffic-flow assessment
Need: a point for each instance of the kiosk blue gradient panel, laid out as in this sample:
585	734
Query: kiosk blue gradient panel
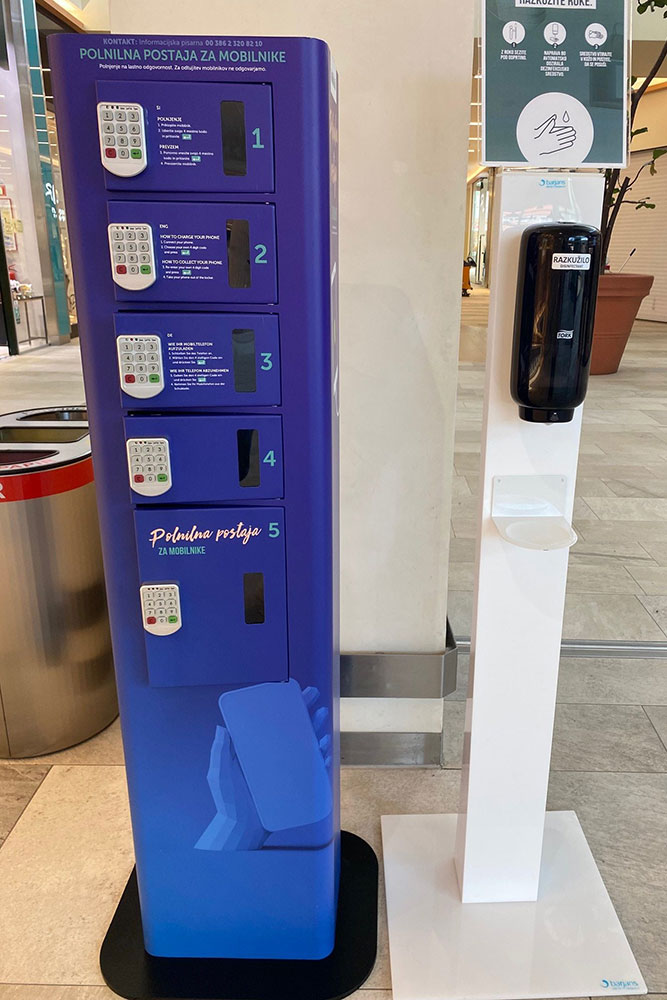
201	183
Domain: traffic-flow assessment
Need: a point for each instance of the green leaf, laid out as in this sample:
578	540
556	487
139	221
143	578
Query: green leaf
638	131
644	204
657	153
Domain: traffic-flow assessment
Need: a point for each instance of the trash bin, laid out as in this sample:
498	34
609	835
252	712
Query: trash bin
56	670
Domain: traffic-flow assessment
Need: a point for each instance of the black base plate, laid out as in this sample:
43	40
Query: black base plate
134	974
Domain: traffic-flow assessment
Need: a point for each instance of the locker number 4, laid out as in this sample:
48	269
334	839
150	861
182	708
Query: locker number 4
270	458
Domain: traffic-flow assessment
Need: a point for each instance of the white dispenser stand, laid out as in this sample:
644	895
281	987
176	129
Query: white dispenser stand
496	902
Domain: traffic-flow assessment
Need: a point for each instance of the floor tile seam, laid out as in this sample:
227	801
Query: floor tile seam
21	814
574	770
35	761
608	704
644	707
15	982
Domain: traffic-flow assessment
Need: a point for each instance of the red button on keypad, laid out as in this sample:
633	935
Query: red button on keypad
150	620
121	269
130	378
138	478
110	153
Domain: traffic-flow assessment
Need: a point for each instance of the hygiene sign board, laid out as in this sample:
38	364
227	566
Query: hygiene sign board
554	83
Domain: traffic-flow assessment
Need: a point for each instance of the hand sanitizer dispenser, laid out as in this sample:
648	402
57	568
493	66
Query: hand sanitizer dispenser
559	265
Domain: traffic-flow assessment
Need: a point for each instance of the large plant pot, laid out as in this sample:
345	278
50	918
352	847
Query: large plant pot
619	299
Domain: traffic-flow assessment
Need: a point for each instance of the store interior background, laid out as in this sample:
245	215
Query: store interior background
405	180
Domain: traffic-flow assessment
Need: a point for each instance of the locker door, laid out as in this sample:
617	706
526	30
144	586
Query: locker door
221	574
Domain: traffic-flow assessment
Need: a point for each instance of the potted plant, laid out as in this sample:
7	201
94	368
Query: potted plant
620	295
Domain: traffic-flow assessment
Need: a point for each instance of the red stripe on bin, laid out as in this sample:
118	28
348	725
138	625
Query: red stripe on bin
45	482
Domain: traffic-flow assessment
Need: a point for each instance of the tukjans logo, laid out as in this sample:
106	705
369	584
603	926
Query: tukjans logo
619	984
549	182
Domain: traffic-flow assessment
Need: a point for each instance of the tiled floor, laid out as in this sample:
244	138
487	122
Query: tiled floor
67	851
48	377
66	848
617	585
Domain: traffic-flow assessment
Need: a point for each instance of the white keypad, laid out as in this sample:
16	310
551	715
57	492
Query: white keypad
149	466
122	138
160	608
128	269
140	365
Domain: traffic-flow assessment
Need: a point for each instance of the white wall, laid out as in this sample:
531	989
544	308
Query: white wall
644	229
404	102
651	114
94	14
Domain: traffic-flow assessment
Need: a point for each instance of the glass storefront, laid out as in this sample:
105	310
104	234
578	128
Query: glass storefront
35	309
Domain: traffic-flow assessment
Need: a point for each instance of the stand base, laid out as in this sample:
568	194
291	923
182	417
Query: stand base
134	974
567	944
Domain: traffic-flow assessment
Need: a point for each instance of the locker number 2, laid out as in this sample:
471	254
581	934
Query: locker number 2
260	256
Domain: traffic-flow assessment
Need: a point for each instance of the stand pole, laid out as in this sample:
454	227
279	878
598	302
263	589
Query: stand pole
543	924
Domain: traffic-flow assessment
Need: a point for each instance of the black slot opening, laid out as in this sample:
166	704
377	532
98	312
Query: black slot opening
8	457
247	441
42	435
234	161
238	253
253	598
245	360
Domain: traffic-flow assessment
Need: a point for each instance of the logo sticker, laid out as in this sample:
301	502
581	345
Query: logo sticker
571	262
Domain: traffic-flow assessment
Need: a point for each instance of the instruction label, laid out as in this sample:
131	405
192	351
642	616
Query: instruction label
553	83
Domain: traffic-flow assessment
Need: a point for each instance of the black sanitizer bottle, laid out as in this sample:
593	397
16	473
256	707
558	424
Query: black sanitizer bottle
559	264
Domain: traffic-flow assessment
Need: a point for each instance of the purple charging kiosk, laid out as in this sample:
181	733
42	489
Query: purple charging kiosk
201	184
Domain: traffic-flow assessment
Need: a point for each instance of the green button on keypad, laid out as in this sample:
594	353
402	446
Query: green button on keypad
135	154
145	269
153	378
162	477
172	619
